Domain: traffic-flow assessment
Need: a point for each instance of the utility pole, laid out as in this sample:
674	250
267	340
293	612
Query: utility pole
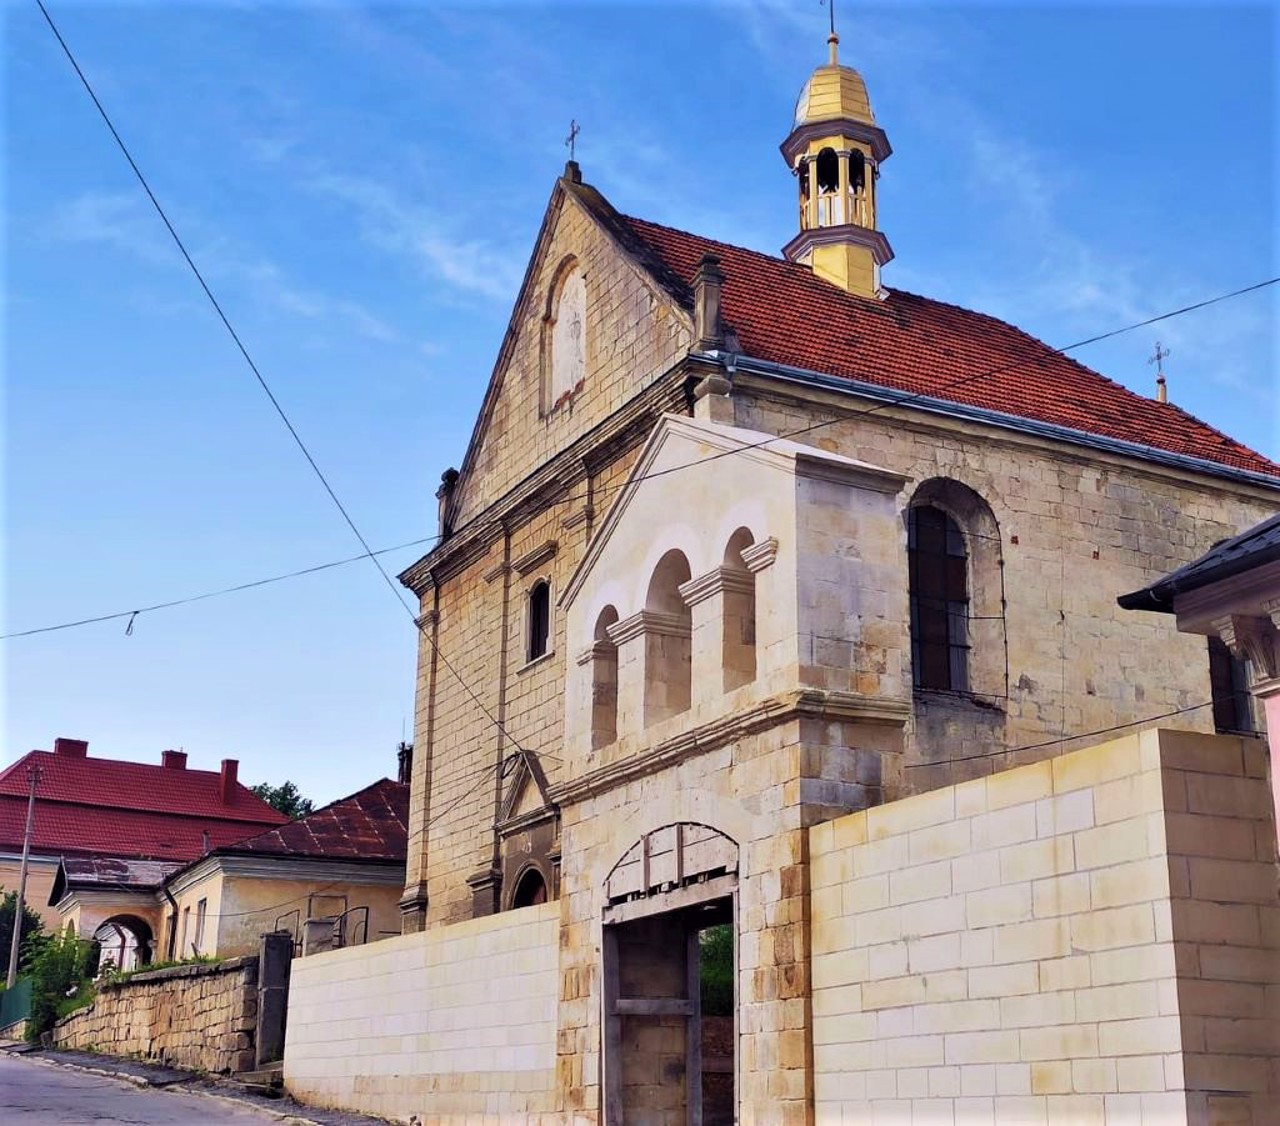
33	777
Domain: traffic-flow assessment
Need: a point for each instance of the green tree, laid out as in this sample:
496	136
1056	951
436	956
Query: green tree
715	971
32	930
285	797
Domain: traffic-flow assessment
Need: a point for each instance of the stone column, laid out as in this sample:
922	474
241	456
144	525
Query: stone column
722	603
653	668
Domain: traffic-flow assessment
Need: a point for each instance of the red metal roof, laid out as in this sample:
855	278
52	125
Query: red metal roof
372	824
128	809
784	314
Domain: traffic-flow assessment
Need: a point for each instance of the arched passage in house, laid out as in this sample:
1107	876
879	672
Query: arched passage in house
125	941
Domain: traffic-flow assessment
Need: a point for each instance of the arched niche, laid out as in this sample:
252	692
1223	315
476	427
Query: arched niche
564	336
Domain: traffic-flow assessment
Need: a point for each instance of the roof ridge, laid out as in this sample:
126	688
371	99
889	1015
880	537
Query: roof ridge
912	341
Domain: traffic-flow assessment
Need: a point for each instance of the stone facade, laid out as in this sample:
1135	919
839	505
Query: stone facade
730	638
199	1017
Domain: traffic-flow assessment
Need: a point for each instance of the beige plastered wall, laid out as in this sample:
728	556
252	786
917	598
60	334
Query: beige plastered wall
240	909
1093	939
41	871
457	1022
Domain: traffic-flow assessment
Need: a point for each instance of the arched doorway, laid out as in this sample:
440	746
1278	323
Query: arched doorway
125	941
669	918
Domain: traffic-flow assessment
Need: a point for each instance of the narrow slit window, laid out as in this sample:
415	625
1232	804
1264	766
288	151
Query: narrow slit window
539	620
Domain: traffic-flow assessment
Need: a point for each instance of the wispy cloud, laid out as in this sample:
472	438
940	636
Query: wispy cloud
124	222
388	221
117	219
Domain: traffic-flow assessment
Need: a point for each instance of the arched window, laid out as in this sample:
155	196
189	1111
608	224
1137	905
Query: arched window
857	171
939	579
828	171
739	613
530	890
539	615
668	669
604	682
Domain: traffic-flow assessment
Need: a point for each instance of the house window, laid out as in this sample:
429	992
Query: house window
186	927
202	908
539	620
1229	683
938	565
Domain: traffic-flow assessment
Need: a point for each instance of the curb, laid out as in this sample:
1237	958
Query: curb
183	1086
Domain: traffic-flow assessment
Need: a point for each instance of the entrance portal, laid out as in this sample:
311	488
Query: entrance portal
668	952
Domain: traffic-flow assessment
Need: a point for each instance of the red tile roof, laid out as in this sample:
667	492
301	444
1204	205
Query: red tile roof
372	824
128	809
784	314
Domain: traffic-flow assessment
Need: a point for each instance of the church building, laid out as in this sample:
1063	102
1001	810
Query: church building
775	603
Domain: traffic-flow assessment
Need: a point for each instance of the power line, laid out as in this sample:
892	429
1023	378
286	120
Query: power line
971	377
257	374
222	316
1071	738
133	614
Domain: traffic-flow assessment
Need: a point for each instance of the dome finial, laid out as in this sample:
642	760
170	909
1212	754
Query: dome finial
833	40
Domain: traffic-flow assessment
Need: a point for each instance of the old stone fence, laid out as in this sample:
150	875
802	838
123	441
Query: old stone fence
201	1017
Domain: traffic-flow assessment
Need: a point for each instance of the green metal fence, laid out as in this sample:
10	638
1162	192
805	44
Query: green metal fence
15	1003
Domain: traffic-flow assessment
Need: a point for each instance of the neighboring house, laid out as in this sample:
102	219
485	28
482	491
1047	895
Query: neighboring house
105	810
742	545
1231	595
333	877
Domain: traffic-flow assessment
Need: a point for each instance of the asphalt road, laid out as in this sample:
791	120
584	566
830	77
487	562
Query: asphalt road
35	1094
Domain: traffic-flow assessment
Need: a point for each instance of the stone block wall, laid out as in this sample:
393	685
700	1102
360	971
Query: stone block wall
1090	939
201	1017
454	1023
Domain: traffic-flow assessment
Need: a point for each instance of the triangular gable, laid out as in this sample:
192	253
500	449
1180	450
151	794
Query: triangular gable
525	793
630	250
719	439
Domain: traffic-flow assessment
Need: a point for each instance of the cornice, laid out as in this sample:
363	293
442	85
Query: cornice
648	621
535	558
760	555
798	139
717	733
928	415
603	444
718	580
875	241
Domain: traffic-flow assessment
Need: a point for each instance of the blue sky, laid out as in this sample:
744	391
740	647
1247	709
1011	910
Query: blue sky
362	186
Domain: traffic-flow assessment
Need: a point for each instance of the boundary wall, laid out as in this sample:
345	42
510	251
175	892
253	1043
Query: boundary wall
201	1017
456	1023
1090	939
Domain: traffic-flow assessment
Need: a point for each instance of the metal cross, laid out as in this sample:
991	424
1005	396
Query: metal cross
831	4
571	140
1158	359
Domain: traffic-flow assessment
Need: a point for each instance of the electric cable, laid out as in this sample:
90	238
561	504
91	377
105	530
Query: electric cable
369	553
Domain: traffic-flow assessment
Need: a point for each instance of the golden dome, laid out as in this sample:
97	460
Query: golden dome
834	92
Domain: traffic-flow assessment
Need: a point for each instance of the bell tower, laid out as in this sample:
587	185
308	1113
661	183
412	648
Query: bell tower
835	151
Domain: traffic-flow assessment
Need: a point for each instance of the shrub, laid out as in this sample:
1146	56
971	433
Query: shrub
61	973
